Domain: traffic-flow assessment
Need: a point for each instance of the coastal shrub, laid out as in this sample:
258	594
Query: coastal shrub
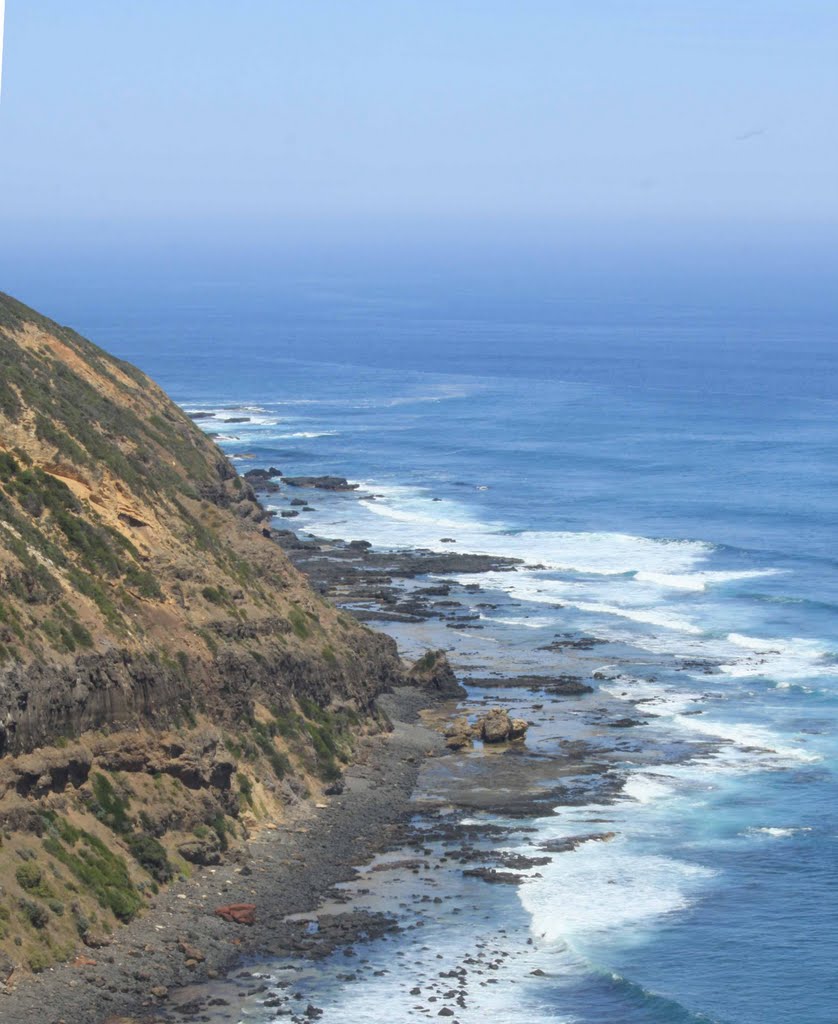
324	752
219	826
81	635
427	661
279	763
151	855
213	594
8	466
30	877
38	960
286	724
60	828
110	808
312	710
143	582
298	623
34	913
102	872
245	788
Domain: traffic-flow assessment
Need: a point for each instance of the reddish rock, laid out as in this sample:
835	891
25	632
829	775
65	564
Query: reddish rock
238	913
191	952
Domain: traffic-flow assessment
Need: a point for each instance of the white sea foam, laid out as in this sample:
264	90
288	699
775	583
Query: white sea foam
698	581
776	832
646	788
603	888
648	616
781	659
531	623
749	737
636	590
308	434
657	699
255	416
610	554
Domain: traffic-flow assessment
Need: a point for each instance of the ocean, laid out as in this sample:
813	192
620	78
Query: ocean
668	472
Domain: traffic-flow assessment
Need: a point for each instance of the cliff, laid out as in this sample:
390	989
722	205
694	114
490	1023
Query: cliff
167	678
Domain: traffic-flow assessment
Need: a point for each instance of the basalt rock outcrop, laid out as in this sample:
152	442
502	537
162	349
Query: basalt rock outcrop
433	672
135	586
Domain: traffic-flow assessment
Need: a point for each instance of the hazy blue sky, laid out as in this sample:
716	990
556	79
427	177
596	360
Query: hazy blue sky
528	112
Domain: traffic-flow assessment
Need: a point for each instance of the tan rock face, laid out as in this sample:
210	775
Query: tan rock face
518	729
135	579
497	726
167	678
458	734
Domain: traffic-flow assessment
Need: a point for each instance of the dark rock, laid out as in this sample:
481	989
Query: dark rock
494	876
6	967
200	852
322	483
562	685
433	672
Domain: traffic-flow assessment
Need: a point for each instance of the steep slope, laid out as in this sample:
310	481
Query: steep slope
165	673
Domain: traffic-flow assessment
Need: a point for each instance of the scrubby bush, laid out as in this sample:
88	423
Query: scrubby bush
151	854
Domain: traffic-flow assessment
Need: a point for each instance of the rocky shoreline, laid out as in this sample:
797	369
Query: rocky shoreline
184	963
182	941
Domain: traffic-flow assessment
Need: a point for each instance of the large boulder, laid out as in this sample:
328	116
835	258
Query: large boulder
433	672
518	729
237	913
458	734
497	726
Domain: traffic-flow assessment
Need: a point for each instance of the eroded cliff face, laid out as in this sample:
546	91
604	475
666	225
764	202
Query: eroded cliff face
149	629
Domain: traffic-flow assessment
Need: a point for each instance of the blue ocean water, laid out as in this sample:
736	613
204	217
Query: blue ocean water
670	476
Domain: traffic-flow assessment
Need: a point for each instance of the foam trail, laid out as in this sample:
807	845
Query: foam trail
603	888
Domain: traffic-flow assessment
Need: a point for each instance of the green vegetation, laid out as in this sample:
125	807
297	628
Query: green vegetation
108	806
245	789
111	808
102	872
427	661
30	877
34	913
151	854
299	624
331	736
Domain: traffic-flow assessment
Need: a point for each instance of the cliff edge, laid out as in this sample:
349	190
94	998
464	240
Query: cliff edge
167	678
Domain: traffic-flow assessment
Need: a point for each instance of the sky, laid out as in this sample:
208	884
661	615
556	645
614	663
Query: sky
477	125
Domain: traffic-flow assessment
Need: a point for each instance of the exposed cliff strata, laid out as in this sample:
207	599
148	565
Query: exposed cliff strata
165	673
